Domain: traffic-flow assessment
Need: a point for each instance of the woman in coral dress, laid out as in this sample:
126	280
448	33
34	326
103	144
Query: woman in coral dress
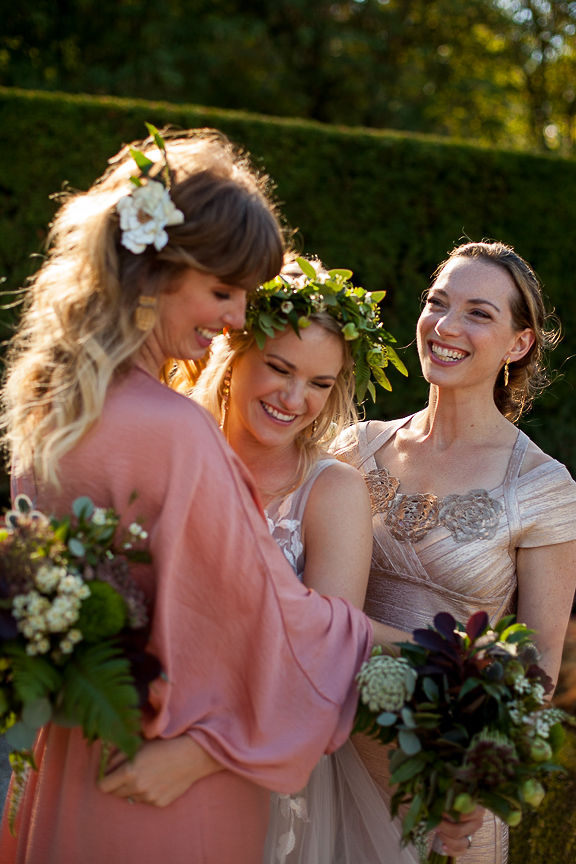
133	279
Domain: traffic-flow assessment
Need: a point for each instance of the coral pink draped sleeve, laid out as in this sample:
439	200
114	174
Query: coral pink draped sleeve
258	669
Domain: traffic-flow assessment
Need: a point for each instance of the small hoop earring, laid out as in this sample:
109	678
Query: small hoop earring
506	372
225	403
145	316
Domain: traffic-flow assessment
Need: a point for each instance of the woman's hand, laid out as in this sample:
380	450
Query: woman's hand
161	771
457	837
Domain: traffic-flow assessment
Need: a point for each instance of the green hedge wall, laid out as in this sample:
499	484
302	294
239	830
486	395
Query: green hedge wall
387	205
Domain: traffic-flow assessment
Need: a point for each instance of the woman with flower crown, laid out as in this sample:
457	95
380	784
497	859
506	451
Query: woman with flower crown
468	513
282	389
134	279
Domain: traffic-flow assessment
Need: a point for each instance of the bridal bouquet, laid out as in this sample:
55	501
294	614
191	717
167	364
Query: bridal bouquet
72	630
466	712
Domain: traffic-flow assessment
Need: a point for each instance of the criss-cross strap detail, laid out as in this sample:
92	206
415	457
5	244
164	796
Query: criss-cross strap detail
369	448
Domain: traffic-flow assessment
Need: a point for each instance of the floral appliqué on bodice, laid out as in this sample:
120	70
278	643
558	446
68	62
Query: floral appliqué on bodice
287	533
473	515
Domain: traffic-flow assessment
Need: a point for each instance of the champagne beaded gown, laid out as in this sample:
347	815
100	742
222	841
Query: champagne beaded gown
455	554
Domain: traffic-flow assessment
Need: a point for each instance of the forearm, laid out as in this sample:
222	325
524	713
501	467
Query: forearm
386	636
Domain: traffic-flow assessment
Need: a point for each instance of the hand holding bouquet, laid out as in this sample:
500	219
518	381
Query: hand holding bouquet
466	711
73	629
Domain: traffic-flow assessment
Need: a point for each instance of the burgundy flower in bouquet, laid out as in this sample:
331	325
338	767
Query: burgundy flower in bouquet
465	709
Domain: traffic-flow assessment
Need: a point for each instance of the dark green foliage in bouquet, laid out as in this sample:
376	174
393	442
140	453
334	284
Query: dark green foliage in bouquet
466	711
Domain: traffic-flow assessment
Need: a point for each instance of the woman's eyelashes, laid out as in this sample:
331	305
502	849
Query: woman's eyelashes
323	385
474	312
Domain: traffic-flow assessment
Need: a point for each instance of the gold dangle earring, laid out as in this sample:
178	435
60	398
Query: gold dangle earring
145	316
506	372
225	397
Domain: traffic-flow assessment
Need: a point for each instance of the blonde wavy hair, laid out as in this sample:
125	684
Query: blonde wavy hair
527	376
78	331
209	386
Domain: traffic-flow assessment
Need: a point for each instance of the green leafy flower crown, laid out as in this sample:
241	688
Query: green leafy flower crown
294	301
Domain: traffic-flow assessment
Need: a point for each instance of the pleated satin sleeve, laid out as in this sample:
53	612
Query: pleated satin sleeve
258	669
547	505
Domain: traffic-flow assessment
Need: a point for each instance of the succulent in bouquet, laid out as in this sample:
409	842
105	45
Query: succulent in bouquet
465	710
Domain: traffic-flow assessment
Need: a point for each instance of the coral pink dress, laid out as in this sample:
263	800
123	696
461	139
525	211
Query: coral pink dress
249	654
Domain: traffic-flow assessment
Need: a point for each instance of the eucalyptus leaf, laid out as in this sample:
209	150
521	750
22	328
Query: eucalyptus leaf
83	507
409	742
430	689
20	736
76	547
37	713
386	718
408	717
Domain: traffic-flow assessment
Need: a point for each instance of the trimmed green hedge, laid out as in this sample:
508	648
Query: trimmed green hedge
389	206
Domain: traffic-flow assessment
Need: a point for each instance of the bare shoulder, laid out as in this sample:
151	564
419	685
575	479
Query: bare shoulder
534	457
340	484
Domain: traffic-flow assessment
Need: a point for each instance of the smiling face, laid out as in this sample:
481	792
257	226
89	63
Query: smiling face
278	392
465	332
195	309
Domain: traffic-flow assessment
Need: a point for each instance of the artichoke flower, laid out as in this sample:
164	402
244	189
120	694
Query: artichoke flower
386	683
493	757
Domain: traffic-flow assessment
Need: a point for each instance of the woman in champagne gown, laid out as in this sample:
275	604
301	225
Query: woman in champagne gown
277	406
468	514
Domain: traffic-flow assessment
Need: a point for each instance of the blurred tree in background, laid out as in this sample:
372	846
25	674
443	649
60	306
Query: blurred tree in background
497	71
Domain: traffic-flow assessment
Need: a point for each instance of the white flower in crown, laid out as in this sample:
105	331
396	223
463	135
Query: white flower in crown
144	215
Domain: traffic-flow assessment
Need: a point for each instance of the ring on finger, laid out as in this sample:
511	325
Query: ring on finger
469	840
131	801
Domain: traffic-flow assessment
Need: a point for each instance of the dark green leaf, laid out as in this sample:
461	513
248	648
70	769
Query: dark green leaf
142	161
33	677
99	692
408	769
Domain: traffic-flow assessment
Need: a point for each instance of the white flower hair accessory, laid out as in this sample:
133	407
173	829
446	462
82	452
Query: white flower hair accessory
148	209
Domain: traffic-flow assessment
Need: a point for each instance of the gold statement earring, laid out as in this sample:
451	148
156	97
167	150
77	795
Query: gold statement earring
506	372
145	317
225	397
